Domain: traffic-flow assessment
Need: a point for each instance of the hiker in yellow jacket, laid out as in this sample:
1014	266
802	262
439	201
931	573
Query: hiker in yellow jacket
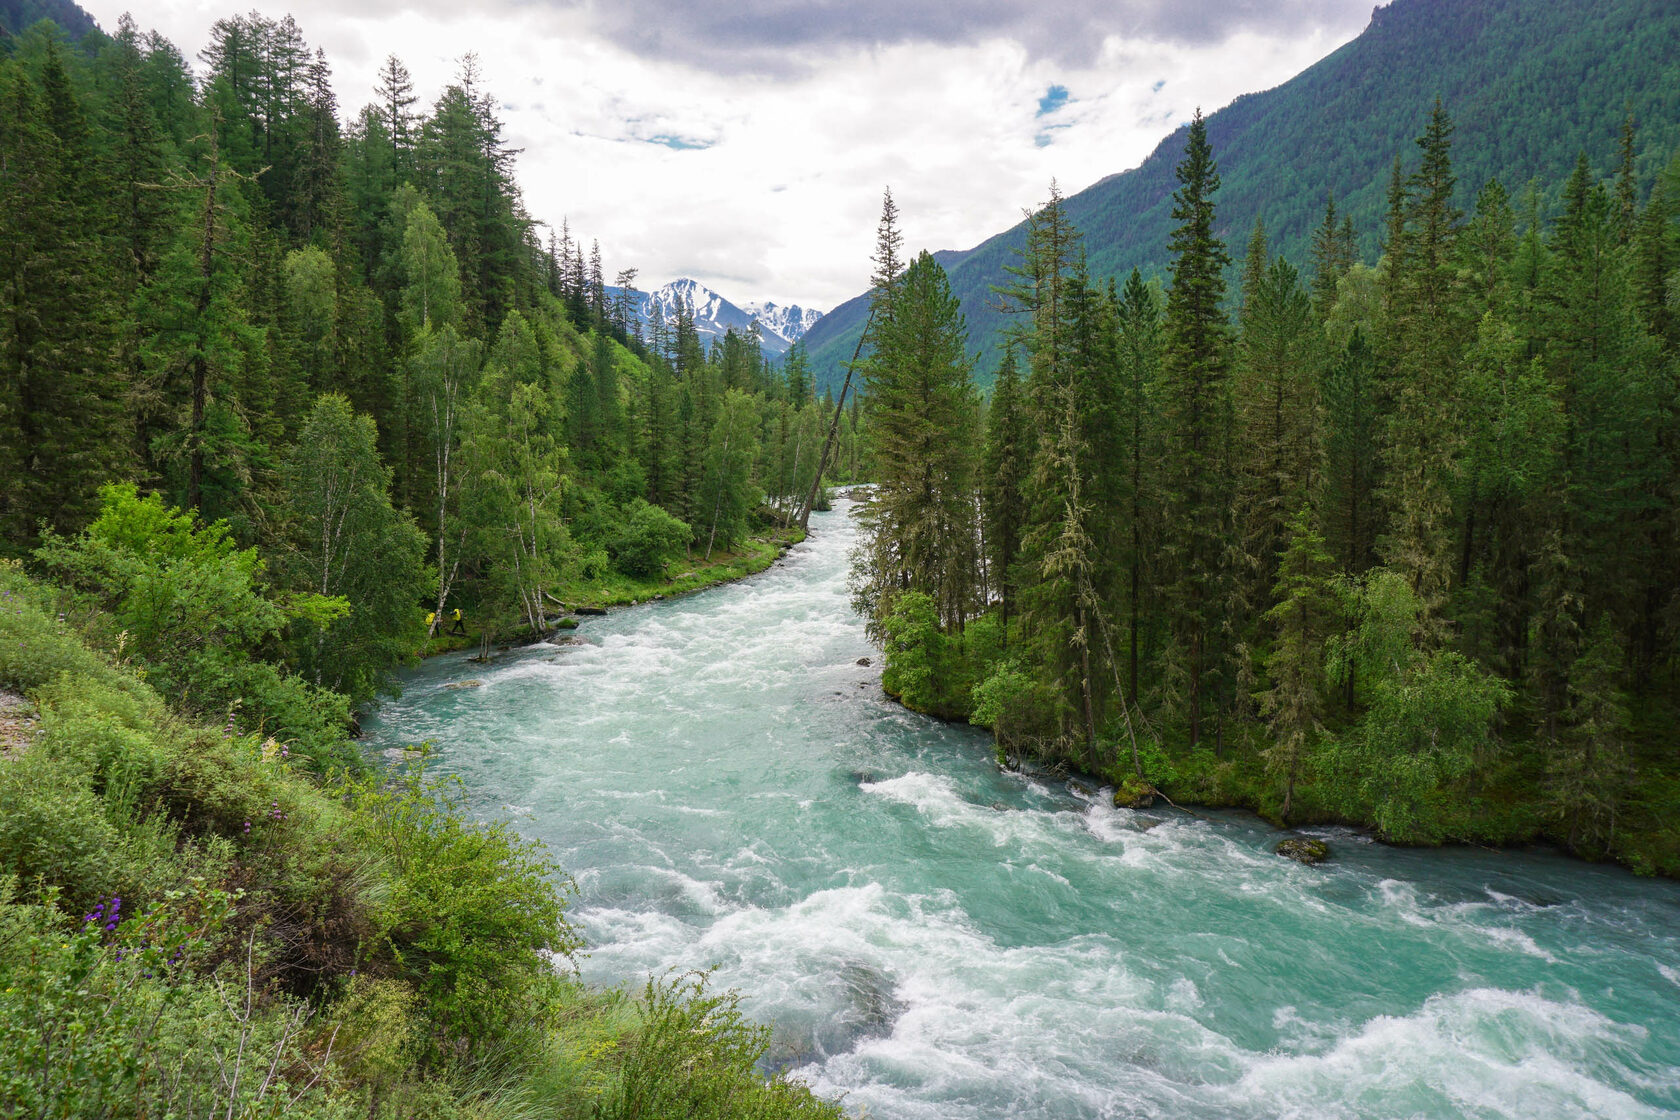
460	623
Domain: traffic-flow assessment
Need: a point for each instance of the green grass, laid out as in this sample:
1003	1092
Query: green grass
615	589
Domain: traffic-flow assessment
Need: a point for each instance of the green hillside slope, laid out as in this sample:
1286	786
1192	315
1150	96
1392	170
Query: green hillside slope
1530	83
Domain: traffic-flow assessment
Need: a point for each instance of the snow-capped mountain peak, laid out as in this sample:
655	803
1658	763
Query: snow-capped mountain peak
789	322
779	327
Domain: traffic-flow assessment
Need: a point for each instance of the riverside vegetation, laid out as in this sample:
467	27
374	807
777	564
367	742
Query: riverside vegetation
1396	544
272	388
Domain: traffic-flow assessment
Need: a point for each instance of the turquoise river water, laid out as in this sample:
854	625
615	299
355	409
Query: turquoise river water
933	938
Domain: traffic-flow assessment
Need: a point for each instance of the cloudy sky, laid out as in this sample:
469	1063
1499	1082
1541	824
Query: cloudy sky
745	143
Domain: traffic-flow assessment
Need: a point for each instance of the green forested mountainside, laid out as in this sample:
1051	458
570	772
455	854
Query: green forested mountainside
1391	545
1530	84
16	15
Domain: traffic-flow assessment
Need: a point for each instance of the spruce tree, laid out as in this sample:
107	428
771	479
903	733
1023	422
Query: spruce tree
1196	414
1139	361
1302	617
920	530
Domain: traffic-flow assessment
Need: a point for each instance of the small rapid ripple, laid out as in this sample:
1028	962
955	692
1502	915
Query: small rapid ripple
935	939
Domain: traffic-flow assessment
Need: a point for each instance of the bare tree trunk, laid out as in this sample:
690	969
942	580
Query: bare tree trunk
834	426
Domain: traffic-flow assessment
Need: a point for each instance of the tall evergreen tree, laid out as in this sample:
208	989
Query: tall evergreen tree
920	531
1196	405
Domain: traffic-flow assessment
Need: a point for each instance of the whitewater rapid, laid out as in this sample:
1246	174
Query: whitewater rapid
932	938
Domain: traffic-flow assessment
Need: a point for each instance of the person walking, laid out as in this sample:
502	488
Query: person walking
460	626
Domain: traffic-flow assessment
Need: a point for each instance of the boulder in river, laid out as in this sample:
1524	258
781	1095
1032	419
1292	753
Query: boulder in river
1303	849
464	684
863	661
591	610
1134	793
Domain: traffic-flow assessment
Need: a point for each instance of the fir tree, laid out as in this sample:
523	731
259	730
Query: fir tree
1196	407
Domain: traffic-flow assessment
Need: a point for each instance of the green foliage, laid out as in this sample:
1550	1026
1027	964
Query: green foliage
184	601
648	541
920	533
470	914
351	547
929	669
726	493
1430	722
693	1057
1017	706
1303	616
115	1016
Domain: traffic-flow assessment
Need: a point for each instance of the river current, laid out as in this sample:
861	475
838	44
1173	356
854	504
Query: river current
936	939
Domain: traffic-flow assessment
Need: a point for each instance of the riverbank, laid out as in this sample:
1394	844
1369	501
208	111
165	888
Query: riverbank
1500	815
616	589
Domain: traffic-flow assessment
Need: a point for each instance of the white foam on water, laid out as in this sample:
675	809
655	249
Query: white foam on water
1481	1052
1507	938
935	797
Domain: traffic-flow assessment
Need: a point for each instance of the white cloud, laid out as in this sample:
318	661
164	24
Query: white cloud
779	197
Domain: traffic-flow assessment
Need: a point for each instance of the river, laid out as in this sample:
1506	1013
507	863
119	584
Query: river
936	939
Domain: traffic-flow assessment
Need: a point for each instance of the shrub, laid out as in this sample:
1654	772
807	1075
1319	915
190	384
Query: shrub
692	1059
648	539
472	916
1018	707
56	831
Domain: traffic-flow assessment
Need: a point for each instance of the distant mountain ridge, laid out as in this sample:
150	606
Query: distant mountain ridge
779	327
17	16
1529	84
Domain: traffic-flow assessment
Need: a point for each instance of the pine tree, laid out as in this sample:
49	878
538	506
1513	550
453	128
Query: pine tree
1139	313
1302	615
1588	770
396	107
1196	408
1334	252
920	532
1429	331
1278	412
60	373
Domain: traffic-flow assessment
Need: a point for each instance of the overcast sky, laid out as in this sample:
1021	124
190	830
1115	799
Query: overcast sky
745	143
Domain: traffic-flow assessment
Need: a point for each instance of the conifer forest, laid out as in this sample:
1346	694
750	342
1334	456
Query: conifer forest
1386	541
324	769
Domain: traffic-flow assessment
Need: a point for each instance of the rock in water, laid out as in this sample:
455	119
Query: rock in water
464	684
863	661
1303	849
1134	794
